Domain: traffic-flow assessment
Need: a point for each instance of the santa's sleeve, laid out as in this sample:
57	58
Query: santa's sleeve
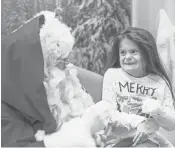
16	132
16	139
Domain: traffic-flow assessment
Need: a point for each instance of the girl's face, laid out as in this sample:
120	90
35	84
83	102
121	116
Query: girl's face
132	59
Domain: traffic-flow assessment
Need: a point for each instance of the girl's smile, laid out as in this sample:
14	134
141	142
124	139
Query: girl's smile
130	63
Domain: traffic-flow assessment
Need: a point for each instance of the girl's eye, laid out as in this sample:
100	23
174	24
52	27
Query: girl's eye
134	51
122	53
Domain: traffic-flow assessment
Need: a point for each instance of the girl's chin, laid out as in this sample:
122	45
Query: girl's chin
129	67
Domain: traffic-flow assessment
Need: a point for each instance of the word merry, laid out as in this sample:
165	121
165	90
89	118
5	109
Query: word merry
136	88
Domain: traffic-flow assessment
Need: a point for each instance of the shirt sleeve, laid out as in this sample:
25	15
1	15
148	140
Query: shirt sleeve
168	99
166	113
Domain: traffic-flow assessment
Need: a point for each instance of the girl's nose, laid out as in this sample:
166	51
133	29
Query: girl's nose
128	56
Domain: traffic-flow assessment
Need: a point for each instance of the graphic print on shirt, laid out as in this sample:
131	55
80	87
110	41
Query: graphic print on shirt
127	89
136	88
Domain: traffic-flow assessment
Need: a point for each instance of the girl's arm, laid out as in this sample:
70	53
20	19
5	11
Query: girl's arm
163	111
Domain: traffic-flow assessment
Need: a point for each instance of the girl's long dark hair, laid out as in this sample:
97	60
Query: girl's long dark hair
147	44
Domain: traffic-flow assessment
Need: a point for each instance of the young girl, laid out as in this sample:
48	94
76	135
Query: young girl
138	84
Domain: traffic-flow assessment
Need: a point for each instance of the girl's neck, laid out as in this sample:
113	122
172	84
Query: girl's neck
140	74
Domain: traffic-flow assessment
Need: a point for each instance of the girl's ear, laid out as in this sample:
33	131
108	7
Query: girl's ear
41	20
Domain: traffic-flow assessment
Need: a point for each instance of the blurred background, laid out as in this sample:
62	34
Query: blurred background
94	23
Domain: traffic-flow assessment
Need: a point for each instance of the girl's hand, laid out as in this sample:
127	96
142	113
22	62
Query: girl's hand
144	130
